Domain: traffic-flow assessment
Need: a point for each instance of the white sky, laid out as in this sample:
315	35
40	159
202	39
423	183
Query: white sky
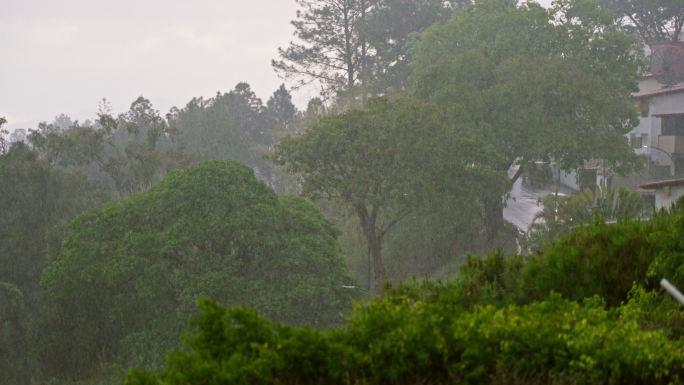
64	56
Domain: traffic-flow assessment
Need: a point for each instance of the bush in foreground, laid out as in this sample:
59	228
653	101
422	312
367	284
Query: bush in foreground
399	340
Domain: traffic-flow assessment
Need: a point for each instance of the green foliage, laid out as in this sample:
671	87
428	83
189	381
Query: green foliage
13	338
594	259
561	213
654	310
498	321
490	280
127	275
36	200
357	47
397	339
234	125
330	49
516	75
127	153
533	84
390	26
655	21
384	163
606	259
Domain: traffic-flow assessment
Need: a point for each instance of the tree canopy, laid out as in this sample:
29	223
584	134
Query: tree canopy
345	45
330	48
535	84
383	162
655	21
128	153
390	26
128	273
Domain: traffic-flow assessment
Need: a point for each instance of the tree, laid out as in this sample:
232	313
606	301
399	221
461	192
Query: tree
330	49
63	122
36	199
390	25
534	84
126	278
655	21
357	47
280	110
128	153
13	344
141	148
382	162
4	145
233	125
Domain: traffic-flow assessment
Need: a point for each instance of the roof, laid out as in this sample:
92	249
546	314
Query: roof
651	87
662	183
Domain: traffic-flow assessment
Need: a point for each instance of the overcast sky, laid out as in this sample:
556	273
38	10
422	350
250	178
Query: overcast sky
64	56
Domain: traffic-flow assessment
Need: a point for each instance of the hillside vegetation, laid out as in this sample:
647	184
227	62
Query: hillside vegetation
584	311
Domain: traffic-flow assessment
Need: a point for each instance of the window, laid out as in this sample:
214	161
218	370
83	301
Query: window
672	125
644	106
636	141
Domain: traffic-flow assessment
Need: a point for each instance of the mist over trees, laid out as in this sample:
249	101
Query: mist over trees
128	273
113	229
535	84
655	21
356	47
386	162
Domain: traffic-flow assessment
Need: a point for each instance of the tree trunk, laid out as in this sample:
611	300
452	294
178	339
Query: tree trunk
376	269
348	48
493	217
375	248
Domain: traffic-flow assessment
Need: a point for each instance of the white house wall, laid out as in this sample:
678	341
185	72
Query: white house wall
651	126
667	104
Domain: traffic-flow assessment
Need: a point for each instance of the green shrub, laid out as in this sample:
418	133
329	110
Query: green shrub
399	340
596	259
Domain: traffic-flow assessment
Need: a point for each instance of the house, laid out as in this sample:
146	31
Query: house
660	133
667	192
660	101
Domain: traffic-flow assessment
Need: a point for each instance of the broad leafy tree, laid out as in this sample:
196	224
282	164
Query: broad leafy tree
535	84
36	199
383	162
127	153
127	276
655	21
388	30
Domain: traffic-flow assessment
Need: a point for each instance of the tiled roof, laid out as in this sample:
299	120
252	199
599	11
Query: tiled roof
662	183
651	87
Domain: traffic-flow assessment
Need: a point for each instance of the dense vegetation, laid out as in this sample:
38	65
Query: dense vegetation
128	273
112	228
586	310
